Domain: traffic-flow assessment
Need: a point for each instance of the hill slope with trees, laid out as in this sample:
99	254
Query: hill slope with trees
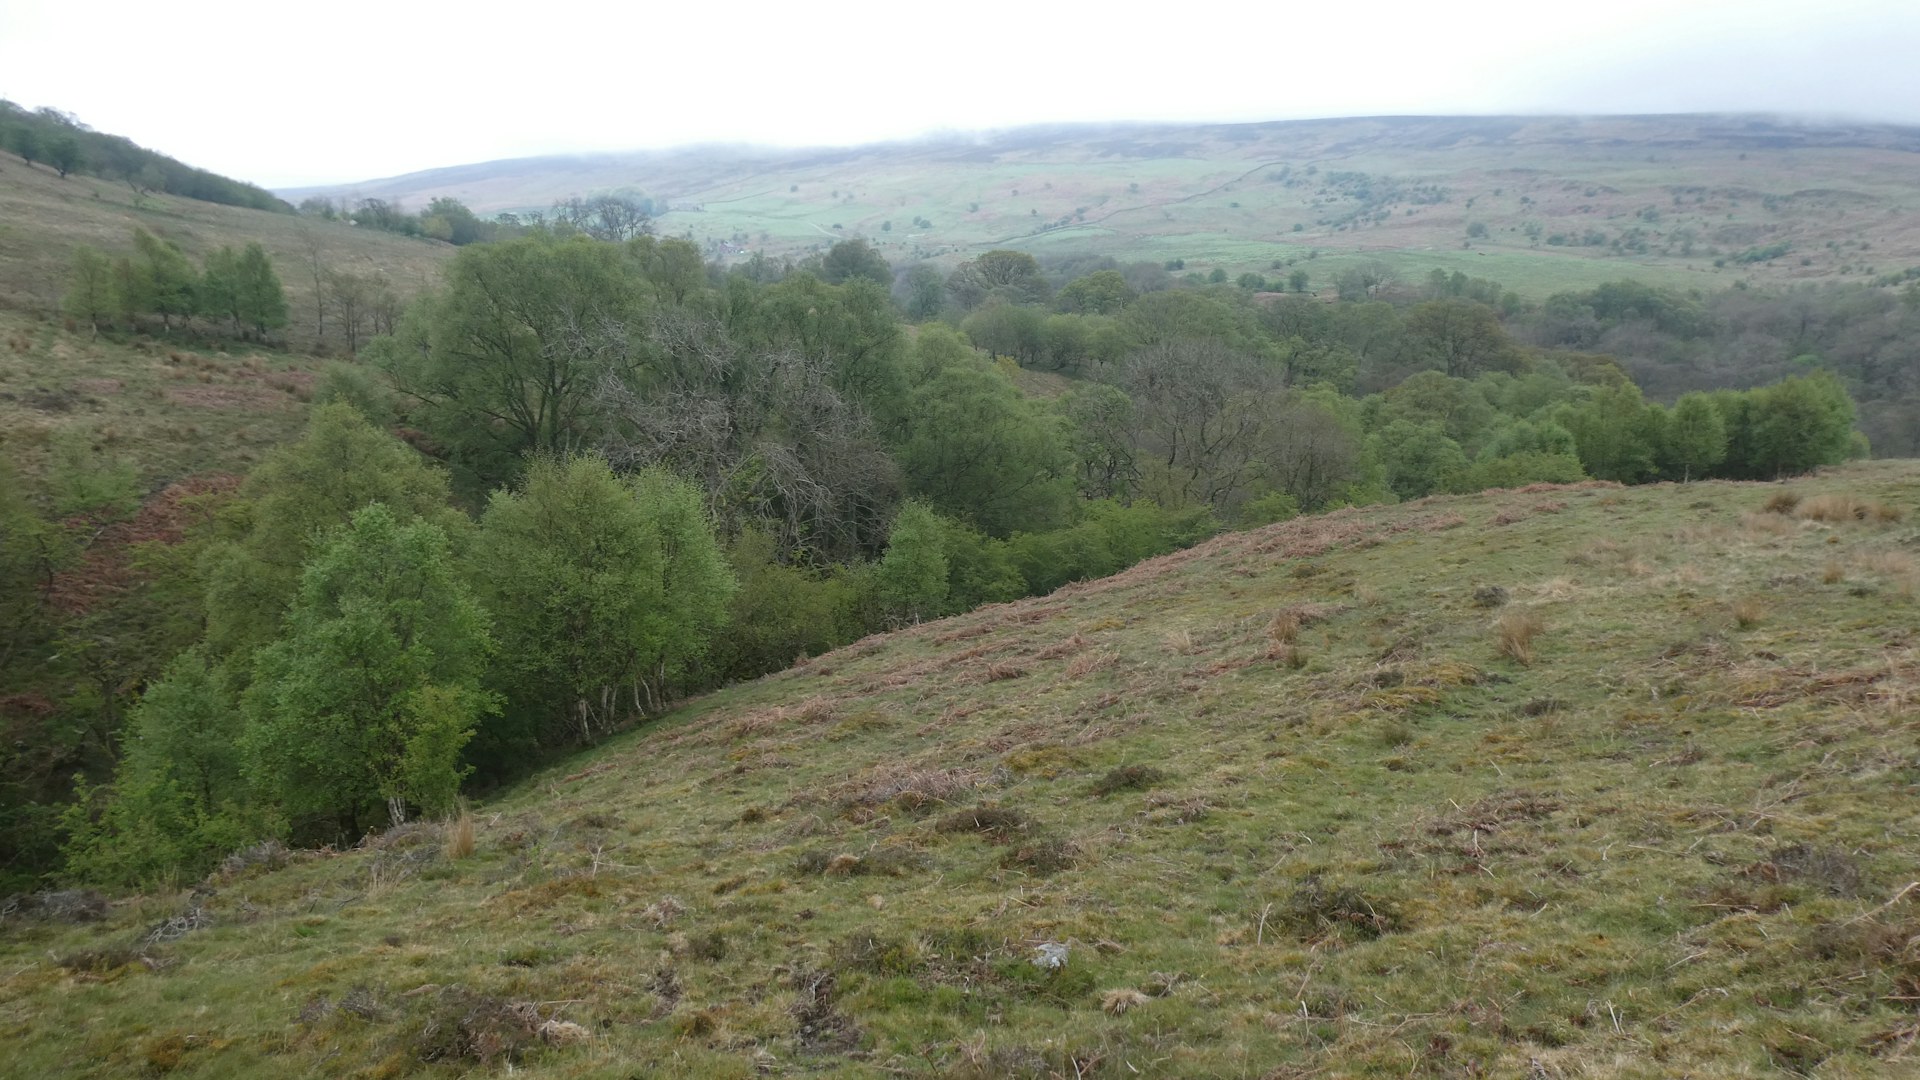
1563	781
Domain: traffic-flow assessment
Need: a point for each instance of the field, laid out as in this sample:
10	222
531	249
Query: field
43	218
1564	203
1564	782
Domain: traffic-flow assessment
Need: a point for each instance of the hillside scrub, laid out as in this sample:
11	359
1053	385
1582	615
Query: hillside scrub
784	468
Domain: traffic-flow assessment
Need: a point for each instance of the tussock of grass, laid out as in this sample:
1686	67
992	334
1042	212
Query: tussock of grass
460	839
1844	507
1514	634
1128	778
1749	612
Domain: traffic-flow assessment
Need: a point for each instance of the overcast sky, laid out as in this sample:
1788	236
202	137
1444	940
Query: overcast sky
289	93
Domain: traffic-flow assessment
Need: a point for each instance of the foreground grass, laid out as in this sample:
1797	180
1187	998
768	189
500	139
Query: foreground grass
1569	782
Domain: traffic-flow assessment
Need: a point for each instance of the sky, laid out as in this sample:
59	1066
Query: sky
286	94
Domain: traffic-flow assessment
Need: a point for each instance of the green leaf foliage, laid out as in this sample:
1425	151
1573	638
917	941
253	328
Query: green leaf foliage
361	707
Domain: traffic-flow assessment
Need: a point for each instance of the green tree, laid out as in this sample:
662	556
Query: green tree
1617	435
260	299
357	714
975	447
922	292
855	258
1013	276
1696	437
218	295
1419	458
341	464
1103	292
25	142
912	576
90	289
603	590
508	357
1461	338
1298	281
166	279
178	799
1799	424
63	153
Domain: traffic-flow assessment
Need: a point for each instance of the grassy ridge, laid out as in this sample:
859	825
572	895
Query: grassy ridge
43	218
1564	782
1229	196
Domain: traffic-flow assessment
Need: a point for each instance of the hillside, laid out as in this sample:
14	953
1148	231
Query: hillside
1562	782
1565	202
43	218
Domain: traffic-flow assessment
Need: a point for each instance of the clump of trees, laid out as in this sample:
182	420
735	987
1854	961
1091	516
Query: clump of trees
238	291
59	141
655	477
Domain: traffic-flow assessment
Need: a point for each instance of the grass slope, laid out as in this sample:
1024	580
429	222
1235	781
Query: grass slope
1570	782
43	218
170	410
1694	188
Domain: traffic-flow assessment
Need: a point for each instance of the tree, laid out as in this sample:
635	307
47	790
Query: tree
912	576
260	299
1696	437
1799	424
358	713
341	464
1617	434
1298	280
1103	292
90	288
855	258
25	142
507	358
63	153
600	588
166	278
178	799
218	296
975	447
1461	338
613	217
1419	459
1012	275
1363	281
921	292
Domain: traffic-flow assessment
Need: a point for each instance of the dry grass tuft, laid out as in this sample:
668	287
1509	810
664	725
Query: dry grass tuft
1284	628
459	843
1118	1002
1837	509
1749	612
1781	502
1833	573
1514	633
1004	671
1087	663
1765	525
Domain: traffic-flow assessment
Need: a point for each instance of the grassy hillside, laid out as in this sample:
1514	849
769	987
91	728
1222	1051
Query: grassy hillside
172	410
1676	193
43	218
1564	782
